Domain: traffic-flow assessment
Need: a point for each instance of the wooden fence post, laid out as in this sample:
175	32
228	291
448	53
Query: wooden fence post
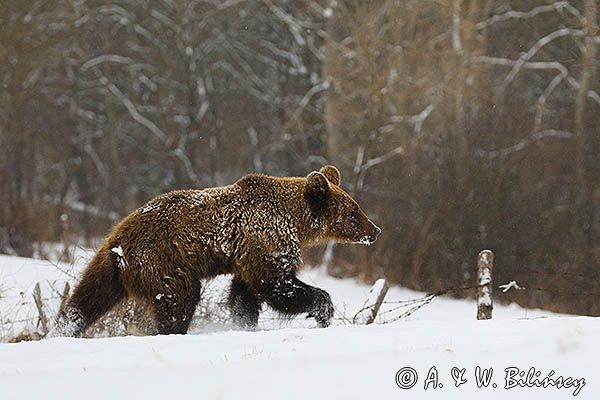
485	266
366	315
39	303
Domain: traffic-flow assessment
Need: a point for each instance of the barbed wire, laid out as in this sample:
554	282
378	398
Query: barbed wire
550	272
560	292
418	303
401	309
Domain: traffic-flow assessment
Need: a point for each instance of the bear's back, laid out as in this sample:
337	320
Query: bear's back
180	227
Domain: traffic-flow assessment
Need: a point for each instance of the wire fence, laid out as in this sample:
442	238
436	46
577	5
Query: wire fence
213	306
592	279
403	309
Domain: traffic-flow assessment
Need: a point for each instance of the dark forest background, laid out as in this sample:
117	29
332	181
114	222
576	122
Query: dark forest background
457	124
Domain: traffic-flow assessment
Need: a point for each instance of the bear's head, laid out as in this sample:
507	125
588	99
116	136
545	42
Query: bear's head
338	215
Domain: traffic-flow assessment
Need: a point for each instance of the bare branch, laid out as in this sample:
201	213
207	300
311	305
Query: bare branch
181	155
415	120
114	58
135	114
456	42
306	99
541	102
537	65
533	138
512	14
293	25
383	158
536	47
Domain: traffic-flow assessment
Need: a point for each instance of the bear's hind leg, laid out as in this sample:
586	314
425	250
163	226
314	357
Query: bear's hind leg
291	296
244	304
98	291
174	312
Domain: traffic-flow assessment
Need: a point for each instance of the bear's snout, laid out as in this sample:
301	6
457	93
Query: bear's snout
376	231
371	237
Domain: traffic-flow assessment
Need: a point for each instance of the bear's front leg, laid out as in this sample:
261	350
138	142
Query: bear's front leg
291	296
272	278
243	304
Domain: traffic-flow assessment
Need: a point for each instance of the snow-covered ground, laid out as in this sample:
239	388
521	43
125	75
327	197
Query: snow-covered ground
288	360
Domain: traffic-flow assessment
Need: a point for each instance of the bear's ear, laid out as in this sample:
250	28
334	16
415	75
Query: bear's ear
332	174
317	187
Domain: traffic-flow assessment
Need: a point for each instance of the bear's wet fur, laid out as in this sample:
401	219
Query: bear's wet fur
253	229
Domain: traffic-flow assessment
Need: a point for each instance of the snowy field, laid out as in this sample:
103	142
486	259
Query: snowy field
294	360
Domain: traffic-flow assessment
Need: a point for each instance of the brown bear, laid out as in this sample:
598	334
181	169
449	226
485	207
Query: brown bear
253	229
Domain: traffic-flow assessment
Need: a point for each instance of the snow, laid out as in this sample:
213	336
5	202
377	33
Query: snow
486	276
18	277
510	285
117	250
298	361
485	299
150	207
